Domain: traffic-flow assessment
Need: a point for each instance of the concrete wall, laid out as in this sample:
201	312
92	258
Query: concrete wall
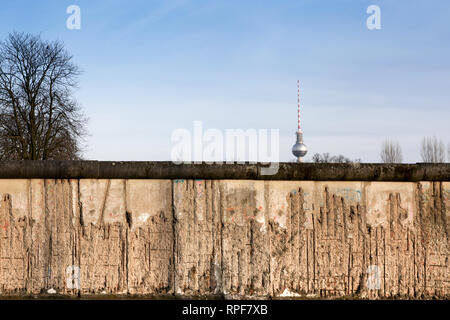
233	238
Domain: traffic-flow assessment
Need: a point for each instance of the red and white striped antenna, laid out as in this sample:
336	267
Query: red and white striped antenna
298	109
299	149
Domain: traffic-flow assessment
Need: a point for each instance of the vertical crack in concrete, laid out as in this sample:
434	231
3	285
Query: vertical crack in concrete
174	260
314	254
126	261
48	235
221	225
29	273
105	197
384	262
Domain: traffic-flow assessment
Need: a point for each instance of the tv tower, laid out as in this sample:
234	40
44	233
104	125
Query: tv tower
299	149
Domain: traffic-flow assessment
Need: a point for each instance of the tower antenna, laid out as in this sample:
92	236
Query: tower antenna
298	101
299	149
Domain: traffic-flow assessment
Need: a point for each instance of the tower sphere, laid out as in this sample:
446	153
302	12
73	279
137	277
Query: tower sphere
299	150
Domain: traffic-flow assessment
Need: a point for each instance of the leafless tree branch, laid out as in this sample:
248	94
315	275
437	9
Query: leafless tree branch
391	152
432	150
39	117
327	158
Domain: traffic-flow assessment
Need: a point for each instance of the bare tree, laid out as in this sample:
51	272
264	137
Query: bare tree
448	152
39	117
327	158
432	150
321	158
391	152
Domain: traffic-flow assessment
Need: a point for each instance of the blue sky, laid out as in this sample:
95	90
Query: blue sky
150	67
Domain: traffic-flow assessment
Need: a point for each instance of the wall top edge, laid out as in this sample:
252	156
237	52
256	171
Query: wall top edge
167	170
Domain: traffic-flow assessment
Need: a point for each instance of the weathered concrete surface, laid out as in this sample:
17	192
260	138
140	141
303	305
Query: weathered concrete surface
233	238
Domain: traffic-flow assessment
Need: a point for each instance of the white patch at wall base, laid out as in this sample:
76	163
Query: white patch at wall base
287	293
51	291
179	291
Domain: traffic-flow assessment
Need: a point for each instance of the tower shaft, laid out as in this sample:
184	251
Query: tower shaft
300	142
